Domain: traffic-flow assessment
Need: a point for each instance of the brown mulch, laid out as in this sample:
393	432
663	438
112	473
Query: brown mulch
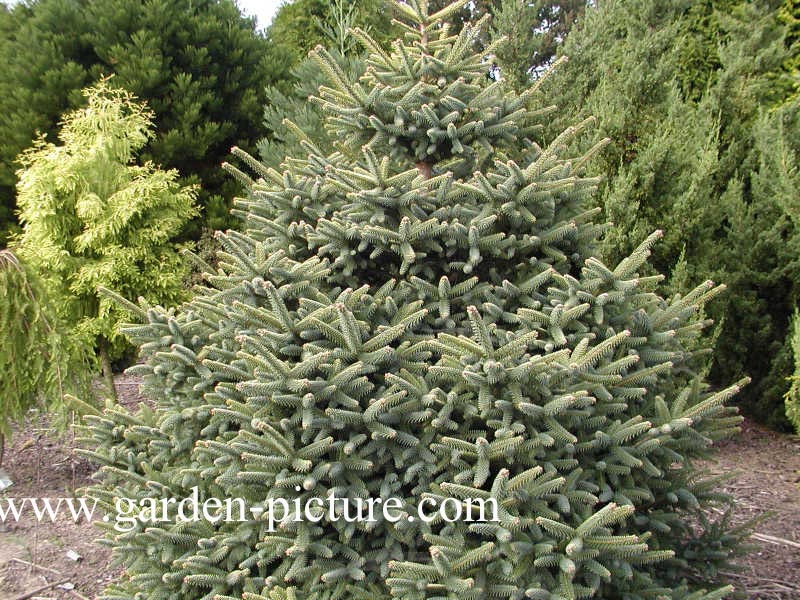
42	464
766	468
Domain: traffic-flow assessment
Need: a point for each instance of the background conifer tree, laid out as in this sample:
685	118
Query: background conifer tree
680	89
534	32
290	118
301	25
199	66
419	314
778	136
92	218
789	14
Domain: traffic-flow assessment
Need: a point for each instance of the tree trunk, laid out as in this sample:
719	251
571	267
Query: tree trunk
105	365
425	168
2	448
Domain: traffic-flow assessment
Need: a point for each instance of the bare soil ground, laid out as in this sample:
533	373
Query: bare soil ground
42	464
767	480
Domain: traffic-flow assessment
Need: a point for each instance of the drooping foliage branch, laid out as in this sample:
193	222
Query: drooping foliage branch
40	363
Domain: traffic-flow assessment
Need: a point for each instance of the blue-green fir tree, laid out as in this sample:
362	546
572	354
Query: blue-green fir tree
419	315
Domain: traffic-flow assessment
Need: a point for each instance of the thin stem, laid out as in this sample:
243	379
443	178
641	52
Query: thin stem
105	364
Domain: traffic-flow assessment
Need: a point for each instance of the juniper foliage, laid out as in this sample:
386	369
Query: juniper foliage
419	315
534	32
681	89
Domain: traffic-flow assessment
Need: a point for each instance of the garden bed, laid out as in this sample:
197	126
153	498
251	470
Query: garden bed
42	464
